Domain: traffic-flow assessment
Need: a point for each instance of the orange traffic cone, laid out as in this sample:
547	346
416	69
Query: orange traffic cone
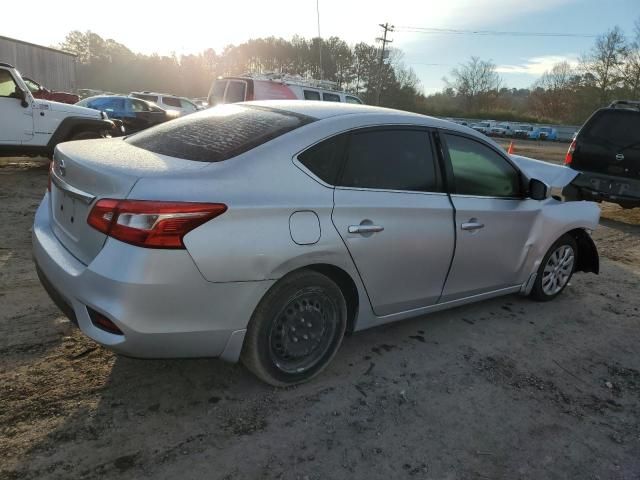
510	149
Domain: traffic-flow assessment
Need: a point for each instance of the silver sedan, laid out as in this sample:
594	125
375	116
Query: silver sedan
265	231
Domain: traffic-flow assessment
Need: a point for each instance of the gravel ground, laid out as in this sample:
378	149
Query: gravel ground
507	388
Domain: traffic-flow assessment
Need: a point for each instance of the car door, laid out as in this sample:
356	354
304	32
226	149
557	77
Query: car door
493	219
141	115
16	121
395	220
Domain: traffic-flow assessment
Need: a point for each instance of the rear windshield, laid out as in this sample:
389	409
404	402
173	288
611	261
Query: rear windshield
620	128
219	133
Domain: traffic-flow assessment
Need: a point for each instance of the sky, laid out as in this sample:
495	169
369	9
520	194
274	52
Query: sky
191	26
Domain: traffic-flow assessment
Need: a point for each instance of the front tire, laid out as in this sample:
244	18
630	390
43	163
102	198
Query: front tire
296	329
556	269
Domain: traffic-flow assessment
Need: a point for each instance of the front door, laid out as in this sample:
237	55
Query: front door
494	221
16	121
392	214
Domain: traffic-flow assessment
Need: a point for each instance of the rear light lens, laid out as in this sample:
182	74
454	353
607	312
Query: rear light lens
151	224
569	156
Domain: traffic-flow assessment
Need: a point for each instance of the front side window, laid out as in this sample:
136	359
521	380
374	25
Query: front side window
311	95
479	170
330	97
187	105
138	106
8	87
397	159
235	92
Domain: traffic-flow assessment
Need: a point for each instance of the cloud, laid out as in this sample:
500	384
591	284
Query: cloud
538	65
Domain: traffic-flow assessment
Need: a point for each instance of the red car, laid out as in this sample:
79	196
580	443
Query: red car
39	91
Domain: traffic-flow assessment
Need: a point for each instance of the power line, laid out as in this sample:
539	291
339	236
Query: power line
454	31
383	39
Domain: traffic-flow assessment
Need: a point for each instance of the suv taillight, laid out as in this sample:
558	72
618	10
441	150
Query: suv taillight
569	156
151	224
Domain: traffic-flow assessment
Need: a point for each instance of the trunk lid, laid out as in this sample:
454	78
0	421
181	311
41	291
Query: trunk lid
86	171
609	143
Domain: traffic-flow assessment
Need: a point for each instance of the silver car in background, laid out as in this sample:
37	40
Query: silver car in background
265	231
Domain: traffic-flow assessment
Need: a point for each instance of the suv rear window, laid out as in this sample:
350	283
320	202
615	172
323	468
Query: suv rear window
614	127
219	133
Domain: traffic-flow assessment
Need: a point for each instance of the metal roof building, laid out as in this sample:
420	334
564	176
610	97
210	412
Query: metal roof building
55	69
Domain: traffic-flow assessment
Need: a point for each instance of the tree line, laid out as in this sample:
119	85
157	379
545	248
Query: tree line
566	93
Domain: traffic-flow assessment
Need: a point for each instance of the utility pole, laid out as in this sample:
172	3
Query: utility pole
383	39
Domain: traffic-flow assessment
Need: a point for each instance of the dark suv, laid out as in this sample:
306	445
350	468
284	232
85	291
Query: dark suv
607	152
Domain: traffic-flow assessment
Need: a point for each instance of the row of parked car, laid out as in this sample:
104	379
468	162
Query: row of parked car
492	128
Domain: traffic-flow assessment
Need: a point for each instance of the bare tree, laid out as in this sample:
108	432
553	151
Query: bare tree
553	93
604	63
476	81
631	66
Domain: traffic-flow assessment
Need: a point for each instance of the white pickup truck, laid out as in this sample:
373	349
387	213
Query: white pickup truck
30	126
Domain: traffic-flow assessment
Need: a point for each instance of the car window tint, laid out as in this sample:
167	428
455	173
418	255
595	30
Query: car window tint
171	101
614	127
218	133
390	159
217	92
8	86
107	104
351	99
311	95
138	106
187	105
325	158
479	170
330	97
235	92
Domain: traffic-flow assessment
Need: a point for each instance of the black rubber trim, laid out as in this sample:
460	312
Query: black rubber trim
56	297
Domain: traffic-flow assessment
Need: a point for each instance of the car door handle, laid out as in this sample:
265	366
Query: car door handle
365	228
472	226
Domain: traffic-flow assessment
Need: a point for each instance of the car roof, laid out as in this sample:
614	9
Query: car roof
323	110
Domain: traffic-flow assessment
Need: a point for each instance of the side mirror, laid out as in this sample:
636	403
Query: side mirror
22	96
538	190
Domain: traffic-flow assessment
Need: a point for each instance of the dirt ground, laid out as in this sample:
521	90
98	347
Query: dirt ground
507	388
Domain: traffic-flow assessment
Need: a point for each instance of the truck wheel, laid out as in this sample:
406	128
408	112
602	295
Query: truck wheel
85	136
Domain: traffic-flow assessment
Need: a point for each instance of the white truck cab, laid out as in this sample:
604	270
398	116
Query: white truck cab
30	126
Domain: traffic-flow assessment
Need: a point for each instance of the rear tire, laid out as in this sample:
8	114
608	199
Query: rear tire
86	135
296	329
556	269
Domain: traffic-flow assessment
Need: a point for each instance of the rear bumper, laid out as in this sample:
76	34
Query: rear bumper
157	298
599	187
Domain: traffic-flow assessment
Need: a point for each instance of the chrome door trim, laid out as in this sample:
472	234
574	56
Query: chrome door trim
76	193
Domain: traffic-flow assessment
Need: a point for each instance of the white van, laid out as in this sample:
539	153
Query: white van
275	87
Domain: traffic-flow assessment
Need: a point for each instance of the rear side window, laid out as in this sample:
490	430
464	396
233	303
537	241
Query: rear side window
235	92
618	128
311	95
399	159
219	133
478	170
351	99
171	101
325	159
330	97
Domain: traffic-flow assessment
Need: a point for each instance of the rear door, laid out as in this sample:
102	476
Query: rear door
16	122
609	143
493	219
392	214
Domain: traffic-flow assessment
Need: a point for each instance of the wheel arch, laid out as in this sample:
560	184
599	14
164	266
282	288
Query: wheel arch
71	125
588	258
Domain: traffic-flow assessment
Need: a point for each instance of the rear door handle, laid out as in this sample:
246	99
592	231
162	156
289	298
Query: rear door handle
472	226
365	228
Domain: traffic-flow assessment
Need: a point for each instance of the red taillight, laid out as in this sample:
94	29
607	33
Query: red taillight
569	156
149	223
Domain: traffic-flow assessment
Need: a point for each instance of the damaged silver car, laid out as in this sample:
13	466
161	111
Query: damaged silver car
265	231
